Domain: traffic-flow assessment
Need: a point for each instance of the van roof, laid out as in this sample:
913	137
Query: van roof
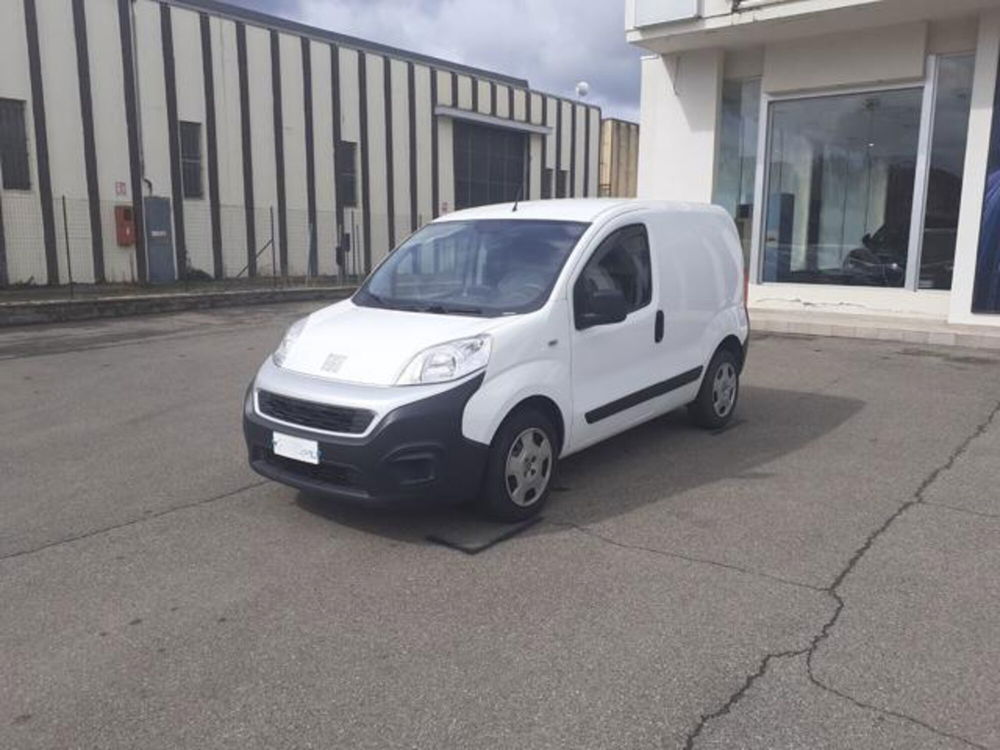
571	209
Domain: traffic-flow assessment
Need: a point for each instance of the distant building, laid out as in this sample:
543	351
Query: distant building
185	134
855	142
619	161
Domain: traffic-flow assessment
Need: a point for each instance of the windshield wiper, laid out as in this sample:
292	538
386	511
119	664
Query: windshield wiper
439	309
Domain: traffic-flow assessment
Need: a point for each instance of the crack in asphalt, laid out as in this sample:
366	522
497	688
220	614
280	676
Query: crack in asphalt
736	697
832	590
688	558
133	522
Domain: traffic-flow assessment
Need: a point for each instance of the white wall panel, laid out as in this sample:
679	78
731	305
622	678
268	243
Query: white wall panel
446	163
191	108
566	152
294	122
232	216
521	105
580	140
483	91
444	88
548	110
110	131
326	217
152	98
595	151
350	108
503	101
400	148
57	47
262	129
465	92
424	118
376	158
22	214
535	165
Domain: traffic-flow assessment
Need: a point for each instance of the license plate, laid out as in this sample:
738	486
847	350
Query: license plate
297	449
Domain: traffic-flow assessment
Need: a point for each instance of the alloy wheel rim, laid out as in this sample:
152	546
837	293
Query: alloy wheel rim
724	389
528	468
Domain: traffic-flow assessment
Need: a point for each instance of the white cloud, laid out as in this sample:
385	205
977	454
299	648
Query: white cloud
552	43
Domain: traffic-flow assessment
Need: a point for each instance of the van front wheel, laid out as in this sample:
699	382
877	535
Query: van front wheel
521	466
720	390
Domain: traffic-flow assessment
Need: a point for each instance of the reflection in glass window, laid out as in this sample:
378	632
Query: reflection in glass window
736	166
622	264
841	172
944	187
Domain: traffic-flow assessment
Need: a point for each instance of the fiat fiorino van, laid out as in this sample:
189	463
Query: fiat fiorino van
496	341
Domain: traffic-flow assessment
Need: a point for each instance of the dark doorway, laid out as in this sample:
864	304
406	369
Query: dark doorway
489	164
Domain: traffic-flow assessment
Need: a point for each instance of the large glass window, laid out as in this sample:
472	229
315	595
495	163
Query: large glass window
489	267
191	159
347	172
840	175
489	164
621	263
947	169
736	166
14	146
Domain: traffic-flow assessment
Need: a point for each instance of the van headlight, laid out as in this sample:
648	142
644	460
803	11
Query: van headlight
294	331
449	361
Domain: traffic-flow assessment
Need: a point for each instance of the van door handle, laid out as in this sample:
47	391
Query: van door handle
658	334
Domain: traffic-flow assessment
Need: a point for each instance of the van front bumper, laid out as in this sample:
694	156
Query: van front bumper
415	454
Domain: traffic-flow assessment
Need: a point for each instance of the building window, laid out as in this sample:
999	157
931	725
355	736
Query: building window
14	146
840	178
736	162
947	169
347	173
546	183
562	180
489	164
191	159
621	263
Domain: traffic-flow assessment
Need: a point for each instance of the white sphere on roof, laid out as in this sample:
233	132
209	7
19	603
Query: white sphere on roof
582	89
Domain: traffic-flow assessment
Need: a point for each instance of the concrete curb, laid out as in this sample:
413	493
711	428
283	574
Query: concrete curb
63	311
876	328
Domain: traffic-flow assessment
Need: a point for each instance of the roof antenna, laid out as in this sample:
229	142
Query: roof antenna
517	199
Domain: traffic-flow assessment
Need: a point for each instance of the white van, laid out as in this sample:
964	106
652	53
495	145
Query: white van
497	340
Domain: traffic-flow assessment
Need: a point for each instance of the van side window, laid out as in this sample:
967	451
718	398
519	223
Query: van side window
620	262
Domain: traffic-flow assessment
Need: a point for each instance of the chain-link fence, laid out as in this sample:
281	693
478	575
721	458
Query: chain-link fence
232	248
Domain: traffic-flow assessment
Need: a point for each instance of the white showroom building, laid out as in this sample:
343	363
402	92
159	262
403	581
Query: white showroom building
147	140
856	143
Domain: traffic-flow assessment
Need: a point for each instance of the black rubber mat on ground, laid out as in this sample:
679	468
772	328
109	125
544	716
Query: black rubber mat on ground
473	535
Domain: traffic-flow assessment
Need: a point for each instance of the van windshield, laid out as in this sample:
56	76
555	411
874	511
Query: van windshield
486	267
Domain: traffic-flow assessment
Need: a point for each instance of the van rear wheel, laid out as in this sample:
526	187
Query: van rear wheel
719	393
521	466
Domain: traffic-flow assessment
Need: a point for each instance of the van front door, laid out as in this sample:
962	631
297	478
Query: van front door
615	337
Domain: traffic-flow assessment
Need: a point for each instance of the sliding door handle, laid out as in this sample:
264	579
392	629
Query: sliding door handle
658	333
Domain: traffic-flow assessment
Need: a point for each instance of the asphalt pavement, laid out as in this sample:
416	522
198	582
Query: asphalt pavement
824	574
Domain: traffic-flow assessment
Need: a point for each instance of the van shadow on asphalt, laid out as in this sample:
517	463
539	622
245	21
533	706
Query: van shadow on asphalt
648	464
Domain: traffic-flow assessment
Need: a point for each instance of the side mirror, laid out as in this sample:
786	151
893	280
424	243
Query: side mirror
601	308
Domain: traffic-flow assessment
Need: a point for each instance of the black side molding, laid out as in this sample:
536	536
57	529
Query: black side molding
634	399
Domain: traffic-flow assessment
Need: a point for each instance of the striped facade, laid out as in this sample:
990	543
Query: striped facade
272	143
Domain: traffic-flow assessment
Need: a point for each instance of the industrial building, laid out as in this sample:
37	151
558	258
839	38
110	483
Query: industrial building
855	142
152	140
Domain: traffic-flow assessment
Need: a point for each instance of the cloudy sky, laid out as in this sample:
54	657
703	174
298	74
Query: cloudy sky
552	43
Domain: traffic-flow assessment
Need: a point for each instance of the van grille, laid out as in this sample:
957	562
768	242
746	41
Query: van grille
332	474
316	416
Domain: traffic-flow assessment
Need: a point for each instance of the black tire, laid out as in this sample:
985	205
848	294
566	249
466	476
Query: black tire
507	496
715	405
